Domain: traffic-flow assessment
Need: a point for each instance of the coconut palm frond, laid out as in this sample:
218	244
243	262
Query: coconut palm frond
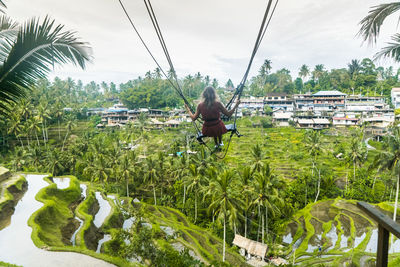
8	28
392	50
2	6
36	48
371	24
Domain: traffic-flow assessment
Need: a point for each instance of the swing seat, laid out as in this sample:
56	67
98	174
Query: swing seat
230	127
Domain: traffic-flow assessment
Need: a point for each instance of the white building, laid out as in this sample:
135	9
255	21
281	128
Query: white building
395	95
282	118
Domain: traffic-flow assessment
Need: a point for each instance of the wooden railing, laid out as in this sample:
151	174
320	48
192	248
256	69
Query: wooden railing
385	225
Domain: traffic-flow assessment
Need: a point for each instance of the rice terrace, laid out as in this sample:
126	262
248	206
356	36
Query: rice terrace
199	133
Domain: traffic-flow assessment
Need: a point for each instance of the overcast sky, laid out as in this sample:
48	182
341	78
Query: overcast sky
214	37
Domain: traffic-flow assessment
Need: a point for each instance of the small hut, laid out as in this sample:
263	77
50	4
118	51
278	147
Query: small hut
252	247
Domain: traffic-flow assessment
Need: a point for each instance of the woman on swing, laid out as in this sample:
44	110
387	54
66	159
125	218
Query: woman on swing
210	109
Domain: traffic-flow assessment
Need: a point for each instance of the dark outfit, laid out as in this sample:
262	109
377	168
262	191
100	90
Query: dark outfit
212	126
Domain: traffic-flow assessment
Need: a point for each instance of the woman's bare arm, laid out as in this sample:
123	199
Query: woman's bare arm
229	112
195	115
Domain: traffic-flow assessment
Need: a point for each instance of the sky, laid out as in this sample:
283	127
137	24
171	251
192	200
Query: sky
213	37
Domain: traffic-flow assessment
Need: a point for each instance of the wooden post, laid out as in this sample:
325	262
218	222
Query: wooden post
383	247
385	226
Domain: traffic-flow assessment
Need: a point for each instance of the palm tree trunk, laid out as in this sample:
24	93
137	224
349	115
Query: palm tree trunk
259	222
127	188
37	139
245	223
319	185
154	192
195	208
44	134
266	220
65	139
397	197
262	228
59	129
184	195
223	249
354	169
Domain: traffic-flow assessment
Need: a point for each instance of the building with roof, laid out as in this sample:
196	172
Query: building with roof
252	247
279	101
395	97
329	100
344	119
281	118
252	103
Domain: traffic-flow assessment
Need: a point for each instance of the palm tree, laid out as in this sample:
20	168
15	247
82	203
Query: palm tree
371	27
246	178
304	71
29	51
53	161
151	175
193	184
70	124
224	193
354	68
357	153
389	158
98	168
43	114
266	186
258	157
313	146
125	168
318	72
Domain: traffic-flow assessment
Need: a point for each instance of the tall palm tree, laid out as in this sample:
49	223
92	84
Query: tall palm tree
246	179
304	71
318	72
224	193
389	158
266	186
357	153
258	157
371	27
354	68
125	168
28	52
69	125
151	175
193	184
314	148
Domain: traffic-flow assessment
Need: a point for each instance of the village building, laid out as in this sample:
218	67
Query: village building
303	102
281	118
252	103
329	100
279	101
395	97
344	119
118	114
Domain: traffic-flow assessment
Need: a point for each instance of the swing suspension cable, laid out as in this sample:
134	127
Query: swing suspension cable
172	69
157	28
150	53
261	33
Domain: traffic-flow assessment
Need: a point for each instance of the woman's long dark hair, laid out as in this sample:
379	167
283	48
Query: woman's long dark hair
209	96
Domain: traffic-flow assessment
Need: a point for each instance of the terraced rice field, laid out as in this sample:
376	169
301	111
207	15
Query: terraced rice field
344	233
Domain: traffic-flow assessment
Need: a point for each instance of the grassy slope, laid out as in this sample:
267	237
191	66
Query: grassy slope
205	244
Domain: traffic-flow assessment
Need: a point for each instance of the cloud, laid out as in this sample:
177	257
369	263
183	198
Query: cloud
213	37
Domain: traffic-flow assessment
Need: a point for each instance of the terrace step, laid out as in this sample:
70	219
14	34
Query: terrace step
4	174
